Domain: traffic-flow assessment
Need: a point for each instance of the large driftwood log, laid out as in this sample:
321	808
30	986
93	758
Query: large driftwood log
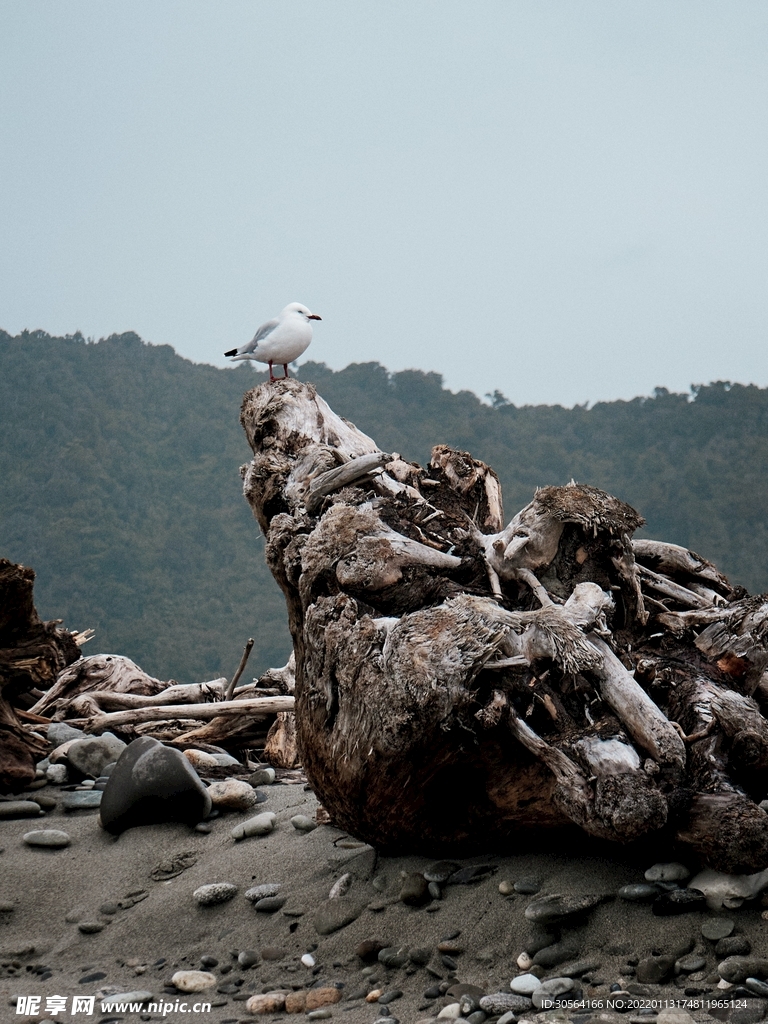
460	683
32	653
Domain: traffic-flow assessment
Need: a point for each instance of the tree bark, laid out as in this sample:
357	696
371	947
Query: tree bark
32	652
460	683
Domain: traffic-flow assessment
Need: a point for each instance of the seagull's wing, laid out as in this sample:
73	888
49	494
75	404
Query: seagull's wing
263	332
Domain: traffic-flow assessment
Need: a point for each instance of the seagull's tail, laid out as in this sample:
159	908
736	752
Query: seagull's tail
232	352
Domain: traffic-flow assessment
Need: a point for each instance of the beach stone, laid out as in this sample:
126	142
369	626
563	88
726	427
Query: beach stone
140	996
270	1002
506	888
654	970
261	892
670	872
341	886
715	928
578	968
270	904
678	901
303	823
440	871
51	837
326	996
60	732
260	825
193	981
57	774
690	964
760	988
557	953
232	795
90	927
91	754
435	892
553	988
733	945
469	874
19	809
262	777
502	1002
540	938
46	803
724	890
272	953
450	1012
204	828
332	915
325	1014
368	950
247	958
638	892
527	886
415	890
393	956
295	1002
549	910
82	800
213	893
525	984
737	969
152	783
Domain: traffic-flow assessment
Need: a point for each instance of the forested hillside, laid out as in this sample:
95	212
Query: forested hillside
120	484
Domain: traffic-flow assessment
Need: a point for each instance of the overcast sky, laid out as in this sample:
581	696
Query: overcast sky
564	201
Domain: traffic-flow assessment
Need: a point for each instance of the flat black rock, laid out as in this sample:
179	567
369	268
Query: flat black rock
150	784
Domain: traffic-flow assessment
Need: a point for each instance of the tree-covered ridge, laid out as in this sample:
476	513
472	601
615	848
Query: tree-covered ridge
120	482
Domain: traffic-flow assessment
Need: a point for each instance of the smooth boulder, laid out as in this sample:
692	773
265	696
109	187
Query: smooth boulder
89	756
150	784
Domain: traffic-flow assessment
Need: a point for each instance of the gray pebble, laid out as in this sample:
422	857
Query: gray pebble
60	732
552	989
414	890
435	891
19	809
262	777
760	988
270	904
557	953
248	957
638	892
715	928
501	1002
51	837
733	945
690	964
215	892
335	914
671	872
90	927
525	984
81	800
549	910
440	871
527	886
390	996
303	823
471	873
260	825
204	828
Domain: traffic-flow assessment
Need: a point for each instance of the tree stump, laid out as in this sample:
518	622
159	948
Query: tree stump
461	683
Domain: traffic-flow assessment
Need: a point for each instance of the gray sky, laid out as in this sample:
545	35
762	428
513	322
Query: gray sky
564	201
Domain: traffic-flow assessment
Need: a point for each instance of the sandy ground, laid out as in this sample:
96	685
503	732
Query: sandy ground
55	891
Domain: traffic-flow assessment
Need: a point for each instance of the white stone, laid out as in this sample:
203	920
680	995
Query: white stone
308	960
671	872
51	837
215	892
719	887
525	984
57	774
450	1012
193	981
232	795
524	961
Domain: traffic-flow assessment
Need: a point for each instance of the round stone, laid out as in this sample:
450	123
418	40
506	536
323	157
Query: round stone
670	872
506	888
215	892
232	795
193	981
262	777
270	904
91	754
715	928
414	890
527	886
760	988
247	958
50	837
303	823
638	892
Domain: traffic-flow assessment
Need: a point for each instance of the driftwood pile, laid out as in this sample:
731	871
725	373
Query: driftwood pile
461	682
44	678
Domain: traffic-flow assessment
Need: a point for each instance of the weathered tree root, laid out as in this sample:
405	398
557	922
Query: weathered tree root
460	683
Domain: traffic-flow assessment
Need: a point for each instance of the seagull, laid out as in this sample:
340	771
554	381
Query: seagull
280	340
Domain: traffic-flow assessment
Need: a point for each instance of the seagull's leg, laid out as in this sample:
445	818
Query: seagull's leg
271	375
285	367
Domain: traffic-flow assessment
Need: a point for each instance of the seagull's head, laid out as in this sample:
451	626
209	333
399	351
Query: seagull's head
296	307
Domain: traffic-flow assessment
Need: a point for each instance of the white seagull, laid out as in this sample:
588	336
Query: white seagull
280	340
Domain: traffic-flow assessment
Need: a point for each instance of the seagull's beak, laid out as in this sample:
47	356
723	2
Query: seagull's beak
313	316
